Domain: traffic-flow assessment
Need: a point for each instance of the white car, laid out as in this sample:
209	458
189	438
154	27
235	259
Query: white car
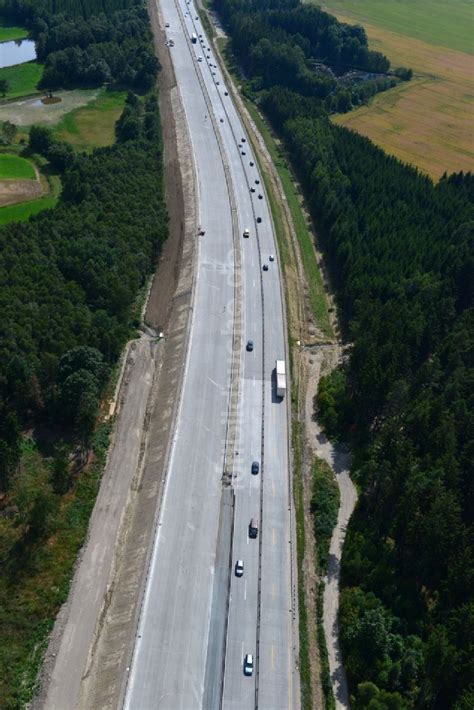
271	258
239	568
248	664
199	59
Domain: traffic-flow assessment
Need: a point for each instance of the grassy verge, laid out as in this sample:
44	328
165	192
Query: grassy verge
92	126
304	666
12	166
22	79
9	32
325	675
324	507
38	564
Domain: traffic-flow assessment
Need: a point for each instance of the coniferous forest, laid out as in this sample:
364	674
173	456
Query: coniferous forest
400	250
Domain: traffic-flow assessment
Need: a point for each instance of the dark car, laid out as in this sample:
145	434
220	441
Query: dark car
257	181
255	468
265	267
260	197
226	93
252	189
251	163
259	219
249	346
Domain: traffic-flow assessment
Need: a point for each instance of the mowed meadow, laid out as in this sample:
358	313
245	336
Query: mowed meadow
426	122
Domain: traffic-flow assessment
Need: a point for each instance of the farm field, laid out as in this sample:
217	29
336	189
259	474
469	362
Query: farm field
12	166
425	122
9	32
23	210
92	126
22	79
437	22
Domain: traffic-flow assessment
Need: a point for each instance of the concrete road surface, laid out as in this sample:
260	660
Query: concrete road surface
168	668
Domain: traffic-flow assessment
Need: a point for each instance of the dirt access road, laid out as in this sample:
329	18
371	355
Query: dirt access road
89	648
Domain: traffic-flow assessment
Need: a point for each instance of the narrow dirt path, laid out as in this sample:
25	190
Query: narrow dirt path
339	461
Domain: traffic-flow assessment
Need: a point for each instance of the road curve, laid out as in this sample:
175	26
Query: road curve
234	300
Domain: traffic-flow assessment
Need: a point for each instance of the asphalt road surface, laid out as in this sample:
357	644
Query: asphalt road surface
168	667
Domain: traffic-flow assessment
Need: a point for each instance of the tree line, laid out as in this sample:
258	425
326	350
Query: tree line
400	252
69	277
89	48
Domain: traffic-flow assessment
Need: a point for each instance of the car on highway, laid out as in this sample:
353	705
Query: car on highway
260	197
253	527
249	346
248	664
251	163
226	93
255	467
167	24
265	267
239	568
257	181
199	59
222	120
259	219
243	140
246	233
271	258
243	152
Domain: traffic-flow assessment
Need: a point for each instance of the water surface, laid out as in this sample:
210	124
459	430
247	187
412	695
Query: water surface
18	51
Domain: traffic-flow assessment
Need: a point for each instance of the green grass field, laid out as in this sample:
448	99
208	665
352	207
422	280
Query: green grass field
92	126
22	79
12	166
437	22
9	31
23	210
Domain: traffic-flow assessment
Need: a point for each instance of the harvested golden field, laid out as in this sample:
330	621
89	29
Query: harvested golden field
426	122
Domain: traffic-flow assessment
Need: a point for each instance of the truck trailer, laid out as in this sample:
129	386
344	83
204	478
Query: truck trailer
280	378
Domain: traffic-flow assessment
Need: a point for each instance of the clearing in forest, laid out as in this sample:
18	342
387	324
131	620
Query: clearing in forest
425	122
19	181
93	125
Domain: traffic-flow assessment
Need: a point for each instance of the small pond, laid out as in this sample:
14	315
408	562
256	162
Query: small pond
17	51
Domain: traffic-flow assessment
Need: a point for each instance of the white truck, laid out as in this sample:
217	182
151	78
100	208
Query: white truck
194	38
280	378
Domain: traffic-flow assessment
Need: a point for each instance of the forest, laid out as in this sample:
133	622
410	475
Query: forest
300	47
399	249
89	48
69	279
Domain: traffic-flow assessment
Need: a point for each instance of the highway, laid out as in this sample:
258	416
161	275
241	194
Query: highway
235	300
